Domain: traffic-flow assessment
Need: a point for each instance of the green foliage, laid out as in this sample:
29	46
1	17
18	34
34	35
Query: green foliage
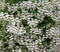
33	17
19	10
5	45
4	10
6	50
15	14
36	36
30	10
3	24
34	11
12	1
46	21
24	22
44	31
3	32
28	30
17	44
46	41
24	49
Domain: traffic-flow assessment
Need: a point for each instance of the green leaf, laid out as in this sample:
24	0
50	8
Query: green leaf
15	13
46	21
28	30
24	49
53	23
43	43
37	36
5	45
29	10
12	1
20	10
44	31
24	22
33	17
40	5
3	25
35	11
7	50
17	44
4	10
46	41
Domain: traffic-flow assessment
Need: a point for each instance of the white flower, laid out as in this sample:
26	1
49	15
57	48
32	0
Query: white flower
19	50
36	31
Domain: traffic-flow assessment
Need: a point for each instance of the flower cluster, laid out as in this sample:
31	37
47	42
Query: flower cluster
31	25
